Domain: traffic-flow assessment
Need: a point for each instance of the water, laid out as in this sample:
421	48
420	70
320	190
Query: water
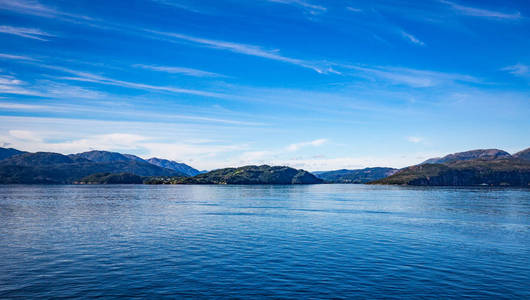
322	241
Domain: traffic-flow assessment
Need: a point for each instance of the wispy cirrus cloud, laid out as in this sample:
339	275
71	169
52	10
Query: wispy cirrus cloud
410	77
411	38
64	108
21	106
310	7
179	70
30	33
11	85
94	78
518	69
179	5
28	7
480	12
36	8
45	88
246	49
16	57
354	9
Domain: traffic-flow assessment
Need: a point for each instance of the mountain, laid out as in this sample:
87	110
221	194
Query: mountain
173	165
252	175
8	152
524	155
484	154
497	172
42	159
355	176
47	167
108	178
106	156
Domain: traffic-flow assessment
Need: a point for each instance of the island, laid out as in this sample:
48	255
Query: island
490	167
263	174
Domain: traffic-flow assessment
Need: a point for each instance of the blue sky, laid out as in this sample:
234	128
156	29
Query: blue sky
311	84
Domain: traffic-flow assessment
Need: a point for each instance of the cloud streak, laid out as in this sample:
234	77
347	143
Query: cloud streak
411	77
30	33
93	78
298	146
35	8
411	38
14	86
479	12
28	7
15	57
517	69
245	49
179	70
311	8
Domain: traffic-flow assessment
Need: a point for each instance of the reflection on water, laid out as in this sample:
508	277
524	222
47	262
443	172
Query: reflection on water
252	241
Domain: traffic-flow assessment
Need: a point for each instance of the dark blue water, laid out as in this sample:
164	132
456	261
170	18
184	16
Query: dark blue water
321	241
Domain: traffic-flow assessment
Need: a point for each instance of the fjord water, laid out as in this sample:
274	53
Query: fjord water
255	241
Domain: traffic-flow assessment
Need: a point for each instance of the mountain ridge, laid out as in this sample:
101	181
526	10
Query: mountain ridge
486	154
252	174
49	167
173	165
497	172
8	152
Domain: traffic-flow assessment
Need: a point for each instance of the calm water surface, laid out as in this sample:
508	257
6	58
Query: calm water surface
254	241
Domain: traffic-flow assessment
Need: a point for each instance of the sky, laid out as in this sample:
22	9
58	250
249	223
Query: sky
311	84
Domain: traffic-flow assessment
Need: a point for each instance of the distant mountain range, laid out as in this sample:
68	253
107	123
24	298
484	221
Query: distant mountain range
173	165
483	154
490	167
54	168
8	152
355	176
111	157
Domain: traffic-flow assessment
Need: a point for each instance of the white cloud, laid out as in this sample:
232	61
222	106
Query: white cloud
179	70
414	139
30	33
25	135
124	142
34	7
412	38
104	110
479	12
312	8
180	5
20	106
298	146
255	156
9	80
517	69
88	77
15	57
180	142
353	9
46	88
320	163
246	49
28	7
11	85
411	77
